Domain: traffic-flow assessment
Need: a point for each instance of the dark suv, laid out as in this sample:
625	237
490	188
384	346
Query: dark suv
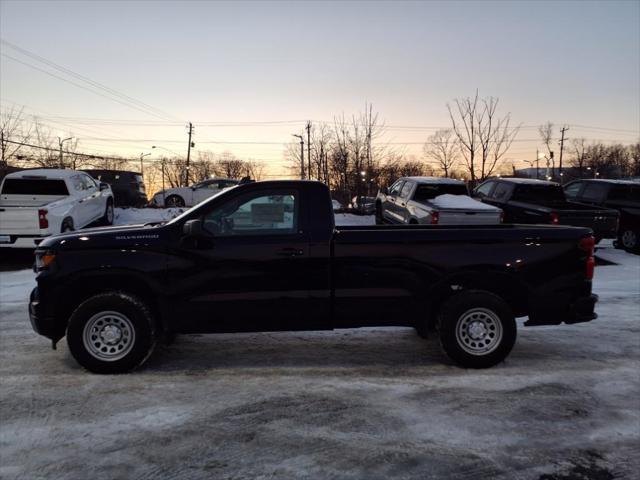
621	195
128	187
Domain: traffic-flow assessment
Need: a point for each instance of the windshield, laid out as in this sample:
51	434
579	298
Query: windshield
428	192
187	212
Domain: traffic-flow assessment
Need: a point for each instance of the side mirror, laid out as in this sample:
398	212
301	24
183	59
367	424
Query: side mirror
384	191
193	228
104	186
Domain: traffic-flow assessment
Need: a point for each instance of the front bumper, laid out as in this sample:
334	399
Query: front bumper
42	321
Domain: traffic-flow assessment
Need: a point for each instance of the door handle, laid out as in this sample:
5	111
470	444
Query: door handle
290	252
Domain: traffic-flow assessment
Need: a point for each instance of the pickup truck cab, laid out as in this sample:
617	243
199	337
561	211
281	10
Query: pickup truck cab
531	201
267	256
434	201
37	203
620	195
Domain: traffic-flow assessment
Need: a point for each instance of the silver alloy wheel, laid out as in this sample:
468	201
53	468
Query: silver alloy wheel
108	336
110	213
629	239
479	331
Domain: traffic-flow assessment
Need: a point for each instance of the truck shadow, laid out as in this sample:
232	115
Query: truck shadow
397	349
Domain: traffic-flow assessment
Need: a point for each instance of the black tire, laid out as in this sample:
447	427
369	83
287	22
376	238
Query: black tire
413	221
477	329
107	218
379	220
111	333
67	225
629	239
174	201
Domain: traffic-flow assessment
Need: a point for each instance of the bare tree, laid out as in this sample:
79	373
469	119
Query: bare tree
443	148
546	135
254	169
229	166
579	154
464	122
13	134
634	159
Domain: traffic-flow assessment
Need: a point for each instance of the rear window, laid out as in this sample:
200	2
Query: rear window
625	192
595	192
427	192
28	186
532	193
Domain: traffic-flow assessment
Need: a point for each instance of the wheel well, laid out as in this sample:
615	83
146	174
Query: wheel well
500	284
87	286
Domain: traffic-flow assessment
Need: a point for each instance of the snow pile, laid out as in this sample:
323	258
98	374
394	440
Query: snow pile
343	219
460	201
136	216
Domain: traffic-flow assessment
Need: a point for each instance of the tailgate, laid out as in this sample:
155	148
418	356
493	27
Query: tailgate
602	222
19	221
467	217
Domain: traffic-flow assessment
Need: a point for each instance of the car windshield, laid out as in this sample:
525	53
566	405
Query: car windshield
428	192
184	214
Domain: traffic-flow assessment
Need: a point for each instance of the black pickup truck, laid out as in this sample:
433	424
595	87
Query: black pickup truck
267	256
620	195
538	202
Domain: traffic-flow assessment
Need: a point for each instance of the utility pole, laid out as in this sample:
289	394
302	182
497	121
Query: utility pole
537	164
189	153
562	139
308	127
301	155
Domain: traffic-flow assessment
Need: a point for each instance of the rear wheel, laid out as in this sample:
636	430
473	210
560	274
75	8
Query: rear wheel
174	201
107	218
477	329
67	225
629	239
111	333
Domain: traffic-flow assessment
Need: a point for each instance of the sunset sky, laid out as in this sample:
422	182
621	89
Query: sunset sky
270	66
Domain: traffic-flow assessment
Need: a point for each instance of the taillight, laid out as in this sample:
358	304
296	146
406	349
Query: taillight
435	218
555	220
42	218
587	244
501	216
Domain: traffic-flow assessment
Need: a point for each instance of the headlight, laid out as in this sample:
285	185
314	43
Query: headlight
44	258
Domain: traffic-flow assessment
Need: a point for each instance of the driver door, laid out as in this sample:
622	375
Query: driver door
251	273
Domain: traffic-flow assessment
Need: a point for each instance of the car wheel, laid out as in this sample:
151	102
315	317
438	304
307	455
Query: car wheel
111	333
413	221
174	201
629	239
379	220
67	225
107	218
477	329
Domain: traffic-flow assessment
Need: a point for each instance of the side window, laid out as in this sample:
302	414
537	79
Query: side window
88	182
594	192
501	192
78	184
259	213
214	186
396	187
571	191
406	190
484	189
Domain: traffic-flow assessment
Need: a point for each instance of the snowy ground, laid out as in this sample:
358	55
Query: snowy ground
354	404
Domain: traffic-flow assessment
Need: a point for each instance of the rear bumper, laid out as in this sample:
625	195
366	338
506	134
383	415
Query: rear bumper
581	309
22	241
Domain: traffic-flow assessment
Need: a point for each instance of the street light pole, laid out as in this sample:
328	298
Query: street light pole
60	142
301	155
142	155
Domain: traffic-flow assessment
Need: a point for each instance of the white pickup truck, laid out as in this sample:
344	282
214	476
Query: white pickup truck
37	203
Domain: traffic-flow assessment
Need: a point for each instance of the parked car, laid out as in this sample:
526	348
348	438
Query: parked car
128	187
432	200
336	205
37	203
531	201
620	195
364	205
190	196
268	256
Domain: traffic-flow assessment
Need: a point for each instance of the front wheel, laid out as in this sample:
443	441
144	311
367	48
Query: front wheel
174	201
477	329
629	239
107	218
111	333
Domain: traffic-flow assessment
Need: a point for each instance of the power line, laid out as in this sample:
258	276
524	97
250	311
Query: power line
93	83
